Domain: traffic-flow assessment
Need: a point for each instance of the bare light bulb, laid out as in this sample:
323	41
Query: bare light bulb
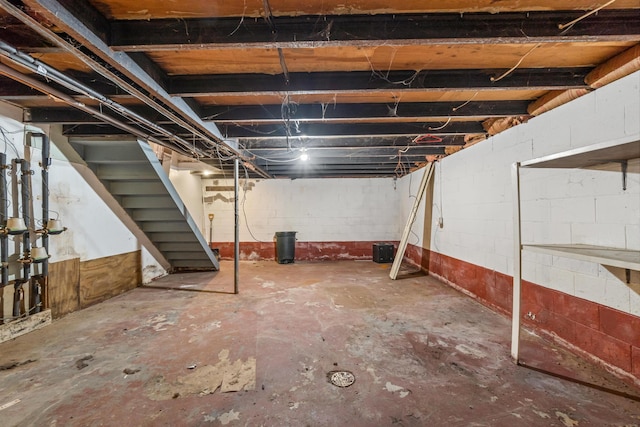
304	157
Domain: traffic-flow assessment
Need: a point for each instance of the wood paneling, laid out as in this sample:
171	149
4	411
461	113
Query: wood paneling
150	9
64	279
363	58
104	278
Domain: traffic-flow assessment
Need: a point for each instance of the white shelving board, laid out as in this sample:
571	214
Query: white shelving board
590	156
615	257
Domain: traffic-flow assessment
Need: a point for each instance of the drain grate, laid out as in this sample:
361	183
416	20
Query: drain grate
341	378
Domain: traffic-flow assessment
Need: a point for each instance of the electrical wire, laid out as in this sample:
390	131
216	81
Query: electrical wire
7	141
441	127
575	21
244	199
512	69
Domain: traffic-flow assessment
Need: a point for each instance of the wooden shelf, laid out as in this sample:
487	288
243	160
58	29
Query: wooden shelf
593	155
615	257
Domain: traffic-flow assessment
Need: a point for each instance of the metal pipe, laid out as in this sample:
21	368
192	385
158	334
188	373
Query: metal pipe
51	73
40	287
42	87
200	130
236	242
46	162
25	169
4	239
18	293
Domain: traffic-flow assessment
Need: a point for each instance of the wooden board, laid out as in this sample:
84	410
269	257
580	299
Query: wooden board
615	257
363	58
150	9
24	325
64	280
104	278
589	156
401	95
62	61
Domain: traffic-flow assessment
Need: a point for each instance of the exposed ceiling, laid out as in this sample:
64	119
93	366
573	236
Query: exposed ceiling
367	89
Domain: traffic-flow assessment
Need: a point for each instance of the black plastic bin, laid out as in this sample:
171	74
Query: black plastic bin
286	246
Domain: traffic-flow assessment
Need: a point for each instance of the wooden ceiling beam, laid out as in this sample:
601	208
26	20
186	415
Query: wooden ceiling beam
70	17
314	31
363	129
346	141
361	112
397	81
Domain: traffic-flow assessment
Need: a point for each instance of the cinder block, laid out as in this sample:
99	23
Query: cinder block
561	280
617	209
617	295
576	210
589	287
610	235
607	348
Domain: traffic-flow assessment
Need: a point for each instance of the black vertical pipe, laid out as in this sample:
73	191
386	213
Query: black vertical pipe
236	243
4	239
25	169
46	162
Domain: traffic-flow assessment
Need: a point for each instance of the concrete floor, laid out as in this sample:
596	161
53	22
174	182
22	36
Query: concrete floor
422	355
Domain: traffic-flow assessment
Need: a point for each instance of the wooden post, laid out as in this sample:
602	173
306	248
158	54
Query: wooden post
402	247
517	264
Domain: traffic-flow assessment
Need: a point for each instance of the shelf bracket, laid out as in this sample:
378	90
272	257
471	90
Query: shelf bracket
627	273
623	167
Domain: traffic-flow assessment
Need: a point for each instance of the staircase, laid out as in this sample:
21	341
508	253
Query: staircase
131	172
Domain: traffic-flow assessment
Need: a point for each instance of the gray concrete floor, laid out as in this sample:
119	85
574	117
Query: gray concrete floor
422	355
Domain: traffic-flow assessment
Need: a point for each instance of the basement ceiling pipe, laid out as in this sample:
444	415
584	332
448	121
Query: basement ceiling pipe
25	192
48	90
44	164
39	67
4	239
236	240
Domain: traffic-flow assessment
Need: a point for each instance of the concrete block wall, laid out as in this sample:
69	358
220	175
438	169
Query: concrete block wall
558	206
320	210
473	191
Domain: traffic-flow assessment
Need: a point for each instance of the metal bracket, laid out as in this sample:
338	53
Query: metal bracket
623	166
627	273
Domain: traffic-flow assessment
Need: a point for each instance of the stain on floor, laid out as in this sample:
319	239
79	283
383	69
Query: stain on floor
421	354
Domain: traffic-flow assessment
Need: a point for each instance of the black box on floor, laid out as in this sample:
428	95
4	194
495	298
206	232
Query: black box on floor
383	252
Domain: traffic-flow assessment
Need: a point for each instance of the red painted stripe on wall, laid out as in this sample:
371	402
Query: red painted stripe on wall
610	335
304	251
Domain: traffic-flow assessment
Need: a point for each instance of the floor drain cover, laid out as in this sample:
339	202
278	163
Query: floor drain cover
341	378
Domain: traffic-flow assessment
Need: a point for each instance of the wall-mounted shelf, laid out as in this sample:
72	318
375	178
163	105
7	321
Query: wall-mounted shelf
585	157
593	156
615	257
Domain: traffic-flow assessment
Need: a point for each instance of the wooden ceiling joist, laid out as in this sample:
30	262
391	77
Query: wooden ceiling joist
405	29
615	68
370	88
447	80
554	99
337	129
360	112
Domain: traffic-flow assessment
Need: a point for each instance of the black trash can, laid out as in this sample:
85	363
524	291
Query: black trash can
286	246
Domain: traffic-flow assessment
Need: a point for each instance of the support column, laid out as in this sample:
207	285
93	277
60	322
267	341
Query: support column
236	241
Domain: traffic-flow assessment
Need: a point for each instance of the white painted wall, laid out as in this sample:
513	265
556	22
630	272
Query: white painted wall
189	188
320	210
94	231
558	206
